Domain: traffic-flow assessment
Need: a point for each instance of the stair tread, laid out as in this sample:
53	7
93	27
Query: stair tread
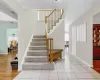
39	35
43	43
38	41
37	51
30	63
39	38
37	46
36	56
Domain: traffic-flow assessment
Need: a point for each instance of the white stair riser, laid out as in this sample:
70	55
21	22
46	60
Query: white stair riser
36	54
36	59
38	67
37	48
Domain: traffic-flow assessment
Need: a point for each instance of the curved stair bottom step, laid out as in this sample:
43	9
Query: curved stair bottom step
36	66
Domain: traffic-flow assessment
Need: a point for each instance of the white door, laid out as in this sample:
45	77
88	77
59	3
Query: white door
74	40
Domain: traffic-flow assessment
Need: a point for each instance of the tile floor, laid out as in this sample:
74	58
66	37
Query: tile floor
69	69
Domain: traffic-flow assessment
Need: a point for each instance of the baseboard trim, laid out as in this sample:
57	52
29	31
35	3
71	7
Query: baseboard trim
82	61
19	67
3	53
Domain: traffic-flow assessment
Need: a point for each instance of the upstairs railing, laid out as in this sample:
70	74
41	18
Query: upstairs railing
53	18
42	13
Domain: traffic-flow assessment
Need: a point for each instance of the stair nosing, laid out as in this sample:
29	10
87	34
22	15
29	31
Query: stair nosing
36	56
37	51
32	63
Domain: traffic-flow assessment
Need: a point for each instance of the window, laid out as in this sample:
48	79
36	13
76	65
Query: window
81	32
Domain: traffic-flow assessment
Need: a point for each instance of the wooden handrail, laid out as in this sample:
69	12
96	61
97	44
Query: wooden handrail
51	13
54	17
48	10
50	20
62	13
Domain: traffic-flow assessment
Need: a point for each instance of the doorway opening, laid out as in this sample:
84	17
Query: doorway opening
8	61
66	38
12	40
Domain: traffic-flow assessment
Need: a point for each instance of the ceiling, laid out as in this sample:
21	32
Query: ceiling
6	13
73	8
96	2
42	4
76	8
6	18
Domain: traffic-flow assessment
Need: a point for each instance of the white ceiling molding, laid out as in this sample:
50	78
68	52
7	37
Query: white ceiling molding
7	10
5	17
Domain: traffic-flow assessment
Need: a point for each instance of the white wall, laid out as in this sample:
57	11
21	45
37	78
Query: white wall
96	19
40	28
27	21
58	36
74	36
84	51
28	26
70	40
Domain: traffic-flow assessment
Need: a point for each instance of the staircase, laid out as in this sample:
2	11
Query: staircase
40	51
37	58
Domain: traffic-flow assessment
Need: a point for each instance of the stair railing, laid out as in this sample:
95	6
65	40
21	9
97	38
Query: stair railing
50	49
51	20
42	13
